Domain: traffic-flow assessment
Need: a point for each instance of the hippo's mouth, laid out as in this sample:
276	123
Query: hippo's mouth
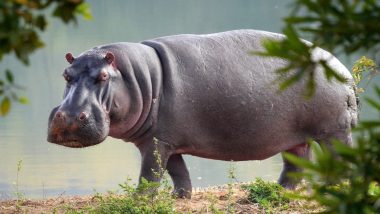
73	143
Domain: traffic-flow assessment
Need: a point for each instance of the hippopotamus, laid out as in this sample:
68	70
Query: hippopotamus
200	95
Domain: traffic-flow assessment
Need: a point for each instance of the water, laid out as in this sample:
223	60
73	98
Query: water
49	170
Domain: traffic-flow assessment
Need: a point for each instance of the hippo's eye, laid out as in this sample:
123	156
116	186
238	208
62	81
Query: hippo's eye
103	76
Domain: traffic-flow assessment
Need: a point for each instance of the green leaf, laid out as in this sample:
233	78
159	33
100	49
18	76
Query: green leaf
84	10
310	86
291	80
5	106
298	19
342	148
331	72
65	12
315	147
9	76
377	89
300	161
273	48
294	41
40	22
369	124
23	100
373	103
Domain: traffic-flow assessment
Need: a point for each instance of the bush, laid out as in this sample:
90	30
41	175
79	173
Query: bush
345	179
268	195
141	200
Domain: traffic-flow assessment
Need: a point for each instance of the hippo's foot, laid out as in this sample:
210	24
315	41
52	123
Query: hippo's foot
180	175
182	193
288	182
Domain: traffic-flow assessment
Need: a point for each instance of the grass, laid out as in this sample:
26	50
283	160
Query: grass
152	197
132	201
19	195
212	200
256	197
269	195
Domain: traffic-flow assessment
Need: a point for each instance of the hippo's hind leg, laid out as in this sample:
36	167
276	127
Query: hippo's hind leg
180	175
303	151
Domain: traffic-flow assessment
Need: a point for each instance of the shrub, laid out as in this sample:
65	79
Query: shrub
346	179
268	195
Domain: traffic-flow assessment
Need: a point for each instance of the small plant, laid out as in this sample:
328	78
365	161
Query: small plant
270	196
212	207
131	201
19	195
160	171
231	179
362	65
147	198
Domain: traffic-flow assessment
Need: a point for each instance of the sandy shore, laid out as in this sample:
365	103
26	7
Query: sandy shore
202	201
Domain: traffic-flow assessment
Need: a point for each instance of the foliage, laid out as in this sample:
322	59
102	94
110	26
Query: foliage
19	195
361	66
8	89
345	24
339	26
213	206
132	201
345	179
231	178
342	179
21	22
268	195
148	197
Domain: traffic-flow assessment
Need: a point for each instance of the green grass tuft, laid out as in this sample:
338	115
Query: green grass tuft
141	200
268	195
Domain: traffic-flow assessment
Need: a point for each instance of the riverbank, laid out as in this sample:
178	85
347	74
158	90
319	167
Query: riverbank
217	199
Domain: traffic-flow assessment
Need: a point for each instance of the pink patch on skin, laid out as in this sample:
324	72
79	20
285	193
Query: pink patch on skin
110	58
70	58
103	75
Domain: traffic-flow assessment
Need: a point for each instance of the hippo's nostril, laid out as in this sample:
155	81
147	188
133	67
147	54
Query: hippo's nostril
82	116
59	115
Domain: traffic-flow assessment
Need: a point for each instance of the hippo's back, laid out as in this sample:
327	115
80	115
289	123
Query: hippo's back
220	101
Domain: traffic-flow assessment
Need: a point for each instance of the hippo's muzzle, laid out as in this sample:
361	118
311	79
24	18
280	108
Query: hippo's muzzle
76	130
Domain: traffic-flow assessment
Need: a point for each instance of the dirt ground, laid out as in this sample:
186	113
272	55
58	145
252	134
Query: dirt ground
202	201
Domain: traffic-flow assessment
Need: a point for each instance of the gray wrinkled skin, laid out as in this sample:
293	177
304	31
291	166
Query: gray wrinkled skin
206	96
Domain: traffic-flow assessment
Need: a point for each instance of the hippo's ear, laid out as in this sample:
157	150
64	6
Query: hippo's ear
110	58
70	58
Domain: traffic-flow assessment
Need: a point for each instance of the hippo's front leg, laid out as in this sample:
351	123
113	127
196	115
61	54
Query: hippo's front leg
154	158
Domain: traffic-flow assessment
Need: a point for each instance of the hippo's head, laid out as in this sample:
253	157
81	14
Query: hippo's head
83	117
